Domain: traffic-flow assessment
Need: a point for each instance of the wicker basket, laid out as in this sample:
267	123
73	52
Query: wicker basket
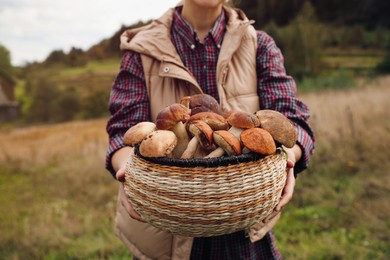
205	197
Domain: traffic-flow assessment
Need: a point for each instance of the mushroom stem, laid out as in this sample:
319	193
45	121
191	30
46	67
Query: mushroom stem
236	131
191	148
182	139
216	153
220	151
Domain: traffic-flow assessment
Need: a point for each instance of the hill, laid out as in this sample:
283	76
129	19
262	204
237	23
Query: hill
58	201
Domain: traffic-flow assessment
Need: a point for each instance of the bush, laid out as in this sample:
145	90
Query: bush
95	105
43	93
67	106
384	66
341	79
48	103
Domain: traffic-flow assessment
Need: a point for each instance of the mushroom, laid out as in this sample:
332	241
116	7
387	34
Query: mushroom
258	140
279	126
135	134
214	120
227	113
241	119
202	134
227	142
172	118
203	103
238	121
159	143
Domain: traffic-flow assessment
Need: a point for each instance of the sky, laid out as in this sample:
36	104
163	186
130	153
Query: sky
32	29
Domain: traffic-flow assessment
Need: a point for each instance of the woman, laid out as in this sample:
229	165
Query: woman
200	46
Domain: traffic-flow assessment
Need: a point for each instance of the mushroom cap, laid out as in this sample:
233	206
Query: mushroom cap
227	113
204	103
243	120
227	141
279	126
203	132
136	133
214	120
258	140
171	115
159	143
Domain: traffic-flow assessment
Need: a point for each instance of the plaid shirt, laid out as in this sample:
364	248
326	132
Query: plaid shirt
129	104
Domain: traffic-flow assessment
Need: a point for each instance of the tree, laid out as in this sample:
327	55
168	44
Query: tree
57	56
43	97
76	58
95	105
5	59
302	41
66	106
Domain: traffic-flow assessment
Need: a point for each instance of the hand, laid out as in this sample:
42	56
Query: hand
120	176
288	189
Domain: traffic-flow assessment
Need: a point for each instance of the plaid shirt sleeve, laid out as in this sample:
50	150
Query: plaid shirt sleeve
277	91
128	104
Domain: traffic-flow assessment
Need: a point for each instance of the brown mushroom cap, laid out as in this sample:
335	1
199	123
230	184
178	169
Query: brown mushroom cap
136	133
159	143
279	126
214	120
227	141
226	114
258	140
243	120
203	132
203	103
171	115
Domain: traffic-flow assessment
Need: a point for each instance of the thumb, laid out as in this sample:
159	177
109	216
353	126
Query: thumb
120	174
290	164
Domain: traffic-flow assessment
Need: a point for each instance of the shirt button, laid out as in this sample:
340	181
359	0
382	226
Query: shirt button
219	46
204	66
166	69
192	46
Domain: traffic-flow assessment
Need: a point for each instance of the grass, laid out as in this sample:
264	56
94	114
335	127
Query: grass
352	62
57	200
110	66
340	210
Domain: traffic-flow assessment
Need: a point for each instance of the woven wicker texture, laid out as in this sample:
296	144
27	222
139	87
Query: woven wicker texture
205	201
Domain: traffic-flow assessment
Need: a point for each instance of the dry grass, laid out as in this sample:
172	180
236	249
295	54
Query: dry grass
353	119
42	145
57	200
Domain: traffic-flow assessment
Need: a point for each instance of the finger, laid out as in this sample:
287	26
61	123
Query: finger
129	208
120	175
290	164
288	190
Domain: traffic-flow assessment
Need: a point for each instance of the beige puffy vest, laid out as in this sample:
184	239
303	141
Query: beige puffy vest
168	80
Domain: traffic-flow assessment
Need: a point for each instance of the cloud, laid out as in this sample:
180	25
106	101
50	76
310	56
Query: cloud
33	29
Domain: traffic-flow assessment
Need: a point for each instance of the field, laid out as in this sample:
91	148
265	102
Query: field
58	202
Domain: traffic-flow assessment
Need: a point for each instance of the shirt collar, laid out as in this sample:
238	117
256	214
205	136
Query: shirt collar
188	34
